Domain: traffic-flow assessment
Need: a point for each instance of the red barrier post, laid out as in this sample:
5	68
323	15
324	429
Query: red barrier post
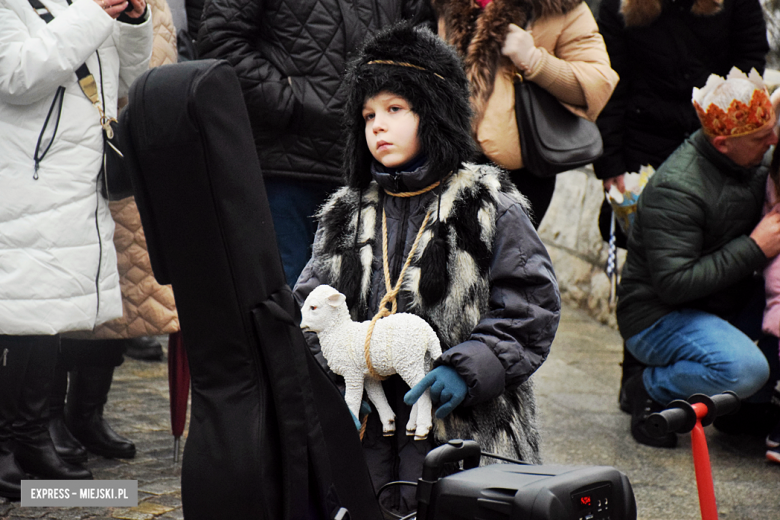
701	464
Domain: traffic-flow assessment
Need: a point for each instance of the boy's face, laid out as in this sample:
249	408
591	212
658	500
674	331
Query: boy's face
391	129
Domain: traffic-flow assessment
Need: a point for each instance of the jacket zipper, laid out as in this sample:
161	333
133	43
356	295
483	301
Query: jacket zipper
400	242
100	256
99	196
39	155
5	356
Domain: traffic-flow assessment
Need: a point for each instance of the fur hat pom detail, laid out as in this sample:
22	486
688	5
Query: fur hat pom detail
349	284
434	278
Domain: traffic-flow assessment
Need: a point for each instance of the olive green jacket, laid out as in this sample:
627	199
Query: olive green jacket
689	245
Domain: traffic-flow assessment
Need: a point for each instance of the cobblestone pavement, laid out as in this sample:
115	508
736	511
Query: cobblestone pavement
579	419
138	408
581	424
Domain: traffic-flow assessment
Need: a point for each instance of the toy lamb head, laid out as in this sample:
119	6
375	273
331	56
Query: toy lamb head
402	344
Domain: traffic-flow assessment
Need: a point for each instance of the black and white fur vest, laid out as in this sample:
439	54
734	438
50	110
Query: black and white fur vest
468	208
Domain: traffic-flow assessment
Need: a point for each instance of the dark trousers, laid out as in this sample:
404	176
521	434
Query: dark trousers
293	204
26	371
539	192
91	353
398	457
749	321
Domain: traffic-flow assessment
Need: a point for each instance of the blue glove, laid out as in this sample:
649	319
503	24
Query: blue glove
365	409
448	390
357	423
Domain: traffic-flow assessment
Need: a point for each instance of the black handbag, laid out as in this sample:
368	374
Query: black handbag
552	139
114	179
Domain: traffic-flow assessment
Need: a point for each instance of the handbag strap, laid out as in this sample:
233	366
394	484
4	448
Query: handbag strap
42	10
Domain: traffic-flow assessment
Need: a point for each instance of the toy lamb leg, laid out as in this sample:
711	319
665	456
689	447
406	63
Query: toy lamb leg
402	344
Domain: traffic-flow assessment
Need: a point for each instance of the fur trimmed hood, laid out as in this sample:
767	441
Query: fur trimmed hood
478	35
638	13
416	64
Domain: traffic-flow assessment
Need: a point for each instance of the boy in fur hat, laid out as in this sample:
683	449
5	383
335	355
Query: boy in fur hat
454	238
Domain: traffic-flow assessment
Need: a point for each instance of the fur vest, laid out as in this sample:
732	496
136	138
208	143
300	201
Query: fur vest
446	284
639	13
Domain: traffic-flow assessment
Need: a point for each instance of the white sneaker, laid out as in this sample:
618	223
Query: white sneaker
773	455
773	439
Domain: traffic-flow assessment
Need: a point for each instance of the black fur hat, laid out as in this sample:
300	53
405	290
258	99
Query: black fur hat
428	73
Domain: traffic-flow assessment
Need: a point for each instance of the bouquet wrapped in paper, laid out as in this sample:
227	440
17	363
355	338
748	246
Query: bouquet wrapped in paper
624	204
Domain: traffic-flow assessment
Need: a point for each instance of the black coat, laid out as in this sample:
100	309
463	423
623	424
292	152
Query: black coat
290	56
660	59
194	11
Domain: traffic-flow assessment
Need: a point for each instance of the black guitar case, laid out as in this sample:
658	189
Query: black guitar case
270	436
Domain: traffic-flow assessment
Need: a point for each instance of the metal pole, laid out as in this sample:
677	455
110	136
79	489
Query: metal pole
176	449
701	464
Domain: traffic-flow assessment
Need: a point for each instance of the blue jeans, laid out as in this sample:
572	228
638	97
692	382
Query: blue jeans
293	205
690	352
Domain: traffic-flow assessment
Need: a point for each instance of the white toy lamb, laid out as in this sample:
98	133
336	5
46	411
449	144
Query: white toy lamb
401	343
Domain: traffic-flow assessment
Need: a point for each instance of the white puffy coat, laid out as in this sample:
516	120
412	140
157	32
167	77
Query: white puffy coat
57	259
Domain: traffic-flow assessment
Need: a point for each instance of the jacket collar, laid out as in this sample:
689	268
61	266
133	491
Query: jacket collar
638	13
416	177
718	160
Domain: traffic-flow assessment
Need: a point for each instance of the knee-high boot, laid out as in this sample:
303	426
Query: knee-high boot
87	394
34	448
66	445
11	377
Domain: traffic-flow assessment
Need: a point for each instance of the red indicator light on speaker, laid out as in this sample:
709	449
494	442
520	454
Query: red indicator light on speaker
585	501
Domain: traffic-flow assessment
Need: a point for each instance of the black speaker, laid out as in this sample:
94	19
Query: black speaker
519	491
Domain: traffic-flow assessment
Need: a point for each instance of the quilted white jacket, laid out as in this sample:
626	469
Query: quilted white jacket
57	260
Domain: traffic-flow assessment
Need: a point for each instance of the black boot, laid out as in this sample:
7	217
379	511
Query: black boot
34	449
87	395
11	378
11	474
69	449
643	405
631	366
145	348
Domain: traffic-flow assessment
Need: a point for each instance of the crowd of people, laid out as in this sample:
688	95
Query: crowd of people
387	136
691	296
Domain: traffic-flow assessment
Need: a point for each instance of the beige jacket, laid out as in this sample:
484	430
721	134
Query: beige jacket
149	308
574	64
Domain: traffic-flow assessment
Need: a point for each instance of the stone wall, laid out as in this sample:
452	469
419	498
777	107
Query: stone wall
570	232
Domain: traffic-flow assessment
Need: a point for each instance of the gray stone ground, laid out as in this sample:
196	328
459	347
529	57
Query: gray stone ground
579	418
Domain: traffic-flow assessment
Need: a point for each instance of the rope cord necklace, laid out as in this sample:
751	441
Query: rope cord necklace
390	297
